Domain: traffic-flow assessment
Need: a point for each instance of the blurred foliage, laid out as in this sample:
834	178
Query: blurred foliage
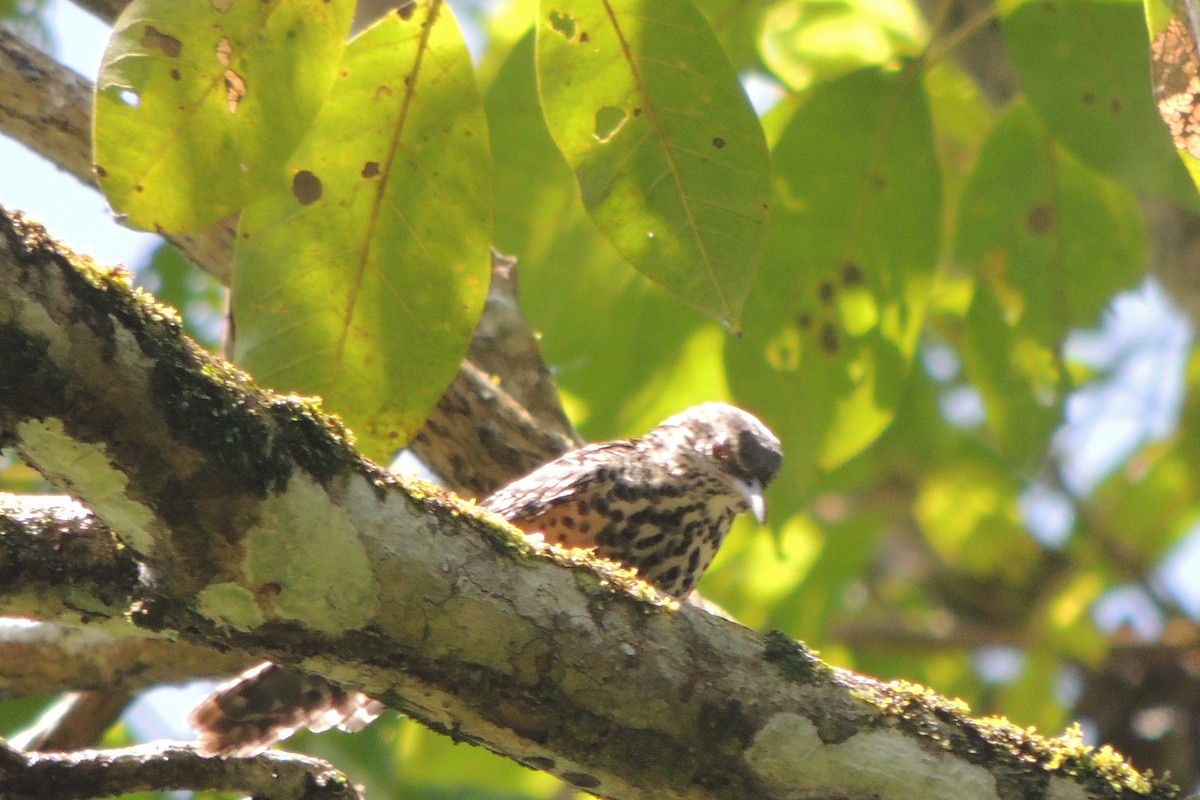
936	248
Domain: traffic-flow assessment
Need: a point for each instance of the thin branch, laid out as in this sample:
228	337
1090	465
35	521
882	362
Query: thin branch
164	766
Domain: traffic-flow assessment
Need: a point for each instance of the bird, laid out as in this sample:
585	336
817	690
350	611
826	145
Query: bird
660	504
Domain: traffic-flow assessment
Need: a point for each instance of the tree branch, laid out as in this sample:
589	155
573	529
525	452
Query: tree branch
258	528
158	767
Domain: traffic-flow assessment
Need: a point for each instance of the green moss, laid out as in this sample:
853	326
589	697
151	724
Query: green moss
1103	771
796	662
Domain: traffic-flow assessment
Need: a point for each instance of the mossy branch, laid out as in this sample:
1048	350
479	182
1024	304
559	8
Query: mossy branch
258	528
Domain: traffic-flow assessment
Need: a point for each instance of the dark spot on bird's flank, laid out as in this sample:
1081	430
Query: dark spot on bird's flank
583	508
1040	220
630	532
694	560
370	170
602	507
718	142
581	779
649	541
670	576
585	527
829	338
562	537
614	515
306	187
649	562
826	292
568	522
852	274
795	661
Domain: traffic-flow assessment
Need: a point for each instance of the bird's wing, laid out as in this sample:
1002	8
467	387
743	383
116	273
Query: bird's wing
557	481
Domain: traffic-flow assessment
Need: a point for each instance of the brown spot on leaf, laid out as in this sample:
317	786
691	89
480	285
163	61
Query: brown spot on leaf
829	338
1089	97
803	321
852	274
175	75
1040	220
306	187
370	170
583	37
1116	105
101	172
826	292
154	39
718	142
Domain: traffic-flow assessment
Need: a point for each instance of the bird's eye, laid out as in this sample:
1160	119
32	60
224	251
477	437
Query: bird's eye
721	450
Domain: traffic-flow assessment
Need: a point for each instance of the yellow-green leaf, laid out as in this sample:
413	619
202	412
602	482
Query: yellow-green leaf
670	157
361	279
198	104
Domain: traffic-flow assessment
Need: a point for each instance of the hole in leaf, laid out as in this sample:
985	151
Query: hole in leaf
235	90
224	52
609	120
306	187
718	142
563	24
129	97
154	39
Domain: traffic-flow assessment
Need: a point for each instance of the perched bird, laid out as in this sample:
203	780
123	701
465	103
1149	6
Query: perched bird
661	504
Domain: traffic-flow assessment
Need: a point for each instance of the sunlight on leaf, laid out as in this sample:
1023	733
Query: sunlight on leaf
362	278
669	155
832	325
197	107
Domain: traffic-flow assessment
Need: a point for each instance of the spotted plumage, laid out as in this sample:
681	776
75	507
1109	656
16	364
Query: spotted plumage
661	504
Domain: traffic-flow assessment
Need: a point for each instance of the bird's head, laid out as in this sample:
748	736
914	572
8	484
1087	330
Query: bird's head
732	443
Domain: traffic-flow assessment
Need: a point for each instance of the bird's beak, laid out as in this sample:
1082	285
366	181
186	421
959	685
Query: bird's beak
752	490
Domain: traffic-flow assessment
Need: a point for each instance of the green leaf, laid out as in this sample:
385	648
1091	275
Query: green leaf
1085	70
619	345
1052	242
833	322
670	158
807	41
199	104
362	277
